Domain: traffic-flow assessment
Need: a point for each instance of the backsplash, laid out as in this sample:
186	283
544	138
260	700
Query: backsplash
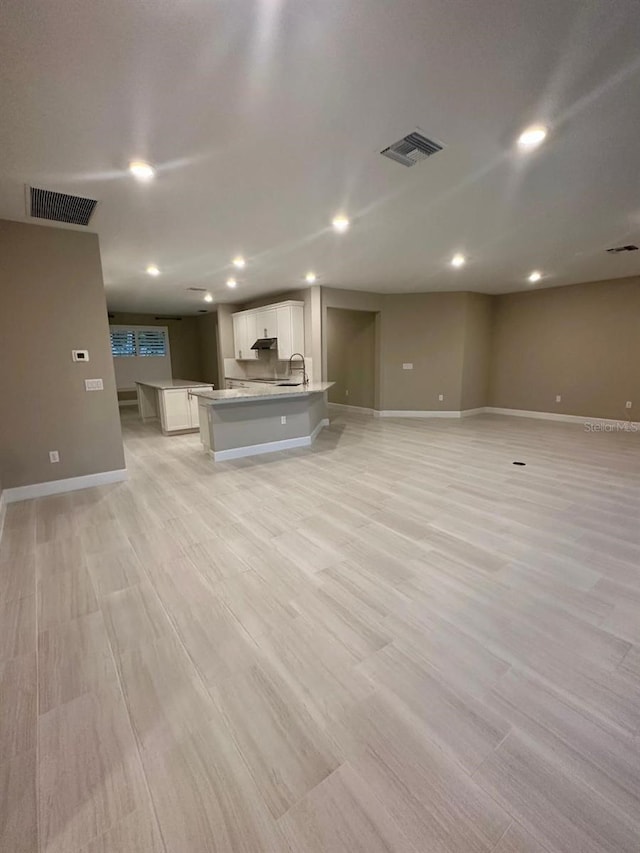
266	366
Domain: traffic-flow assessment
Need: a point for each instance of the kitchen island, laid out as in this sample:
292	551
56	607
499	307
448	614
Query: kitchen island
170	401
250	421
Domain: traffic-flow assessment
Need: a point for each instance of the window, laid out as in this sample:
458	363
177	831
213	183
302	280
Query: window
152	342
123	342
130	342
140	354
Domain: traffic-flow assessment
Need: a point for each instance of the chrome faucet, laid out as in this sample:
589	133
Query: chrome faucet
302	367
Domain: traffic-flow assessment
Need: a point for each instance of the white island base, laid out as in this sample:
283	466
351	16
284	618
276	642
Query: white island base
170	402
237	427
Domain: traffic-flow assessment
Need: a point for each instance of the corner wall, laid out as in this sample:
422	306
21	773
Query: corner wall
476	360
581	342
52	300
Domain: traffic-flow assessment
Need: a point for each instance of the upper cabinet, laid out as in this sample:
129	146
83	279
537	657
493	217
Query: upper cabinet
284	321
267	323
244	336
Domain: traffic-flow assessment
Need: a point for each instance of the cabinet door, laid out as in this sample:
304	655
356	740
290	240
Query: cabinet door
175	410
285	339
251	335
290	331
193	410
239	334
267	324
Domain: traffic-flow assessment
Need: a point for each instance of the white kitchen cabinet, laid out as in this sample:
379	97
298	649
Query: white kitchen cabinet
178	410
175	410
290	334
244	335
267	324
284	321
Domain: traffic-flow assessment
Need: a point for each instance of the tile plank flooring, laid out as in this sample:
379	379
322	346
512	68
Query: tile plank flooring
394	641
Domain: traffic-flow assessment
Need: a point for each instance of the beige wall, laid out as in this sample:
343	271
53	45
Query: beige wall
348	300
476	361
423	329
426	330
52	301
351	356
582	342
207	339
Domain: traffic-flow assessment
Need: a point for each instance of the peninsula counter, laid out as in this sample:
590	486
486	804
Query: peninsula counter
250	421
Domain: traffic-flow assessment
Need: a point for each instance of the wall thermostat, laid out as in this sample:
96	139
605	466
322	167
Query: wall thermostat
80	354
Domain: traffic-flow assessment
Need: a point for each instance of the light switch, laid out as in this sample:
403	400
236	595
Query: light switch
407	366
93	385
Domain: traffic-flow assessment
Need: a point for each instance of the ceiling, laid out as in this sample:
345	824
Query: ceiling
265	118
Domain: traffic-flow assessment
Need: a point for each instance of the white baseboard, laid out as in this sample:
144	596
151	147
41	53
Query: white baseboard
362	409
556	416
323	423
515	413
3	510
57	487
267	446
403	413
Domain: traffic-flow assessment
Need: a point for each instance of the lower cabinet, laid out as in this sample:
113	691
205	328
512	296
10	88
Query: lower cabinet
179	410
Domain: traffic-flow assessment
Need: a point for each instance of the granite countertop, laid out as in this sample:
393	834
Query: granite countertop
165	384
261	379
246	395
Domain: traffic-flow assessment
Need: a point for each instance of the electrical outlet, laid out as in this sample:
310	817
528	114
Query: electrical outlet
628	406
558	398
346	393
93	385
80	354
283	419
441	397
408	365
54	456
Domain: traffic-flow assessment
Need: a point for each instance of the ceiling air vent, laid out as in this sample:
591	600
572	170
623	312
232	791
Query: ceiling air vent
198	289
61	207
617	249
412	149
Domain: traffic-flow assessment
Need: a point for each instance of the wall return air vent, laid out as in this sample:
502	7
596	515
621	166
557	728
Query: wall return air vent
60	207
412	149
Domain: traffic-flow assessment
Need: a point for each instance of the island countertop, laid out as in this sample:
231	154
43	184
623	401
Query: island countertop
268	392
167	384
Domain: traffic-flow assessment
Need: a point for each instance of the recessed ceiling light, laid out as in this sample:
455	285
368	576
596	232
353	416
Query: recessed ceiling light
532	136
231	282
152	269
208	297
340	224
310	277
141	170
458	260
239	262
535	276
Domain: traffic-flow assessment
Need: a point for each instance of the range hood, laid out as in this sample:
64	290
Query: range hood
266	343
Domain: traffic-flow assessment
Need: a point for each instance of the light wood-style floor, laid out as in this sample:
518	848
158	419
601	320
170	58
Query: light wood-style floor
395	641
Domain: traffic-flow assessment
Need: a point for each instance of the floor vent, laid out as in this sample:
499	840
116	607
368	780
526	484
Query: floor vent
60	207
617	249
198	289
412	149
